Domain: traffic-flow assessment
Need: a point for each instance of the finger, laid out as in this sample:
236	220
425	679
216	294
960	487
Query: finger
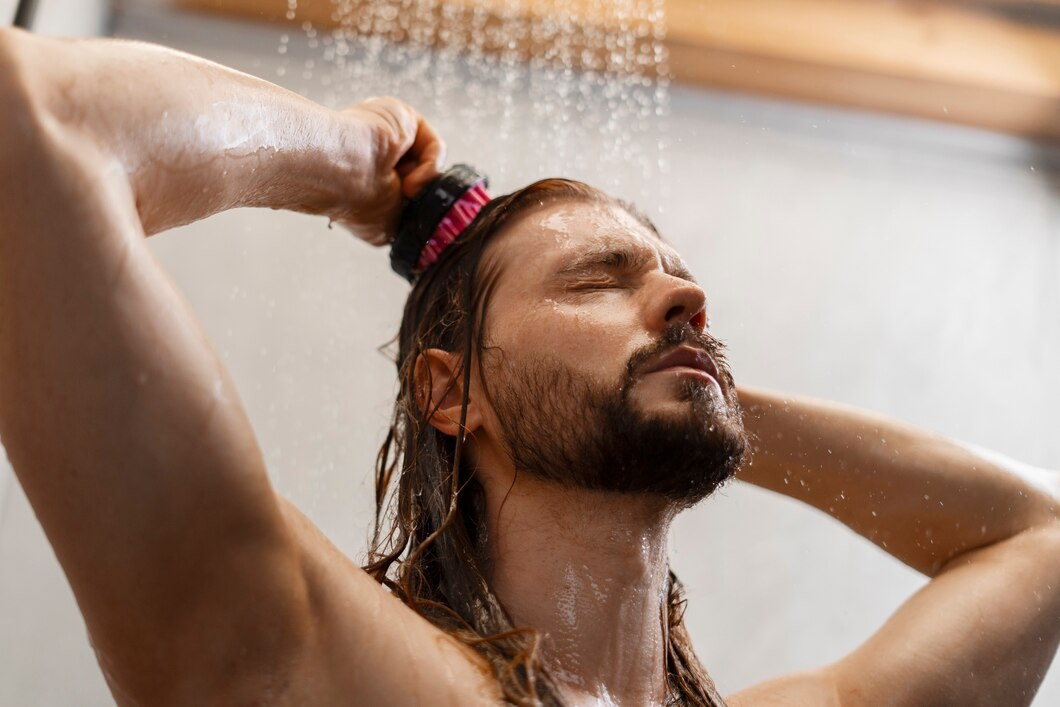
405	120
406	165
428	145
429	158
420	177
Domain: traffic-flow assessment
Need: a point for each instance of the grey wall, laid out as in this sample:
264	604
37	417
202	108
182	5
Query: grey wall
83	18
63	18
7	11
906	267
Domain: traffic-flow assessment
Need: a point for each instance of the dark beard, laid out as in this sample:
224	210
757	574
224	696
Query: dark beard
563	428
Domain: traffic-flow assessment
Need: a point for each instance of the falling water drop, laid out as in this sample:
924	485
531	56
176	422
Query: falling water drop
578	86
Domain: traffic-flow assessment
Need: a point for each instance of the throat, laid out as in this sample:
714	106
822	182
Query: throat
589	571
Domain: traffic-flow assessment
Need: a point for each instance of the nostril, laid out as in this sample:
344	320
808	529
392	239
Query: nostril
674	311
699	320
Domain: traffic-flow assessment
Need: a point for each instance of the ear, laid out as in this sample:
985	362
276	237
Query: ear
439	384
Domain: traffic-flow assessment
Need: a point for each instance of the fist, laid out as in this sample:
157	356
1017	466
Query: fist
396	154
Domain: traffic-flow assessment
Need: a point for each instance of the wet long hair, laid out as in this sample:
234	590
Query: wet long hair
428	543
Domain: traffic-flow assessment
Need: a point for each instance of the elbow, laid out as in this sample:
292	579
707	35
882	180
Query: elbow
1052	530
21	120
1042	539
13	87
1040	497
8	36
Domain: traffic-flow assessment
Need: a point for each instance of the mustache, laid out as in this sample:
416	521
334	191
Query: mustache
681	335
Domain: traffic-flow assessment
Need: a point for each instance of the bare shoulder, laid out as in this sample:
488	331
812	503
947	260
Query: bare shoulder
370	646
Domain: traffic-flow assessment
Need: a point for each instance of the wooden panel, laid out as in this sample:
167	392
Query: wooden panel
942	60
935	61
1033	4
466	22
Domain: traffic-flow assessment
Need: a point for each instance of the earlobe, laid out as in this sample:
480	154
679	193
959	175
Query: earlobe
439	389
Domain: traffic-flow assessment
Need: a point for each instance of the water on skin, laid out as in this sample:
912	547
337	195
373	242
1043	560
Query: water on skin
567	664
558	224
580	592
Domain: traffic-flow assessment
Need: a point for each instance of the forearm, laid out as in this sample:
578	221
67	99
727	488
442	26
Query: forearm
193	137
922	498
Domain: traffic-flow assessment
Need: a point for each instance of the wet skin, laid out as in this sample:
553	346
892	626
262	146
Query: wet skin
568	301
562	295
199	585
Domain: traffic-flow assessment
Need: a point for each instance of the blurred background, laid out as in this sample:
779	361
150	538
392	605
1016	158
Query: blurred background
866	189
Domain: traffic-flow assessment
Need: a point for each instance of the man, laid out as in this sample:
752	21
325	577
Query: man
556	363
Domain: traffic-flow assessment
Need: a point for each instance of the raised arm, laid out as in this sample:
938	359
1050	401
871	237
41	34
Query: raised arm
198	584
192	138
985	629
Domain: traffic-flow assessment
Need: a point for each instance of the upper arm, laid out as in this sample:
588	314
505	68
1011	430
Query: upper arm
983	632
198	584
123	427
807	688
371	648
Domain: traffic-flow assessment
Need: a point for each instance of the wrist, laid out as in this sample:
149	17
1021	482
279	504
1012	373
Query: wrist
322	172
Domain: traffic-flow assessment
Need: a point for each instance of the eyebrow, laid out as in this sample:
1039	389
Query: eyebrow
622	258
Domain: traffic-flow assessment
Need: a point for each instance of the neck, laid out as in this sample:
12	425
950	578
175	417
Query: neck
589	570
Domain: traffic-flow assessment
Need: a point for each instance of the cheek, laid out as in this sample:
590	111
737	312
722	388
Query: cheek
596	341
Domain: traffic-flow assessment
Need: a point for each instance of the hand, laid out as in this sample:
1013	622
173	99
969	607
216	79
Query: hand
399	154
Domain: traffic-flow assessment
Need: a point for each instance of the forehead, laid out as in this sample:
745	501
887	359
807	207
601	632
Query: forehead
547	239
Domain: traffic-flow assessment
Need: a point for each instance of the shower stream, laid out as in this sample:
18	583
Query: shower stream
523	89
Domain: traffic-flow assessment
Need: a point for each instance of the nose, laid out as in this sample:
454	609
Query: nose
682	302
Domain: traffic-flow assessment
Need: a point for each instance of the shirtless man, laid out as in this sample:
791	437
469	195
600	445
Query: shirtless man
200	586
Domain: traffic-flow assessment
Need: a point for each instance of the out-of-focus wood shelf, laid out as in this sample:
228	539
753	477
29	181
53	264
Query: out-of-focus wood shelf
965	63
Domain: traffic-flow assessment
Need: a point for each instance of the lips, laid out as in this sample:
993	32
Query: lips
686	357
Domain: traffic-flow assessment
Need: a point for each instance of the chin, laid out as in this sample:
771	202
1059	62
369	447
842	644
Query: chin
694	442
692	397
